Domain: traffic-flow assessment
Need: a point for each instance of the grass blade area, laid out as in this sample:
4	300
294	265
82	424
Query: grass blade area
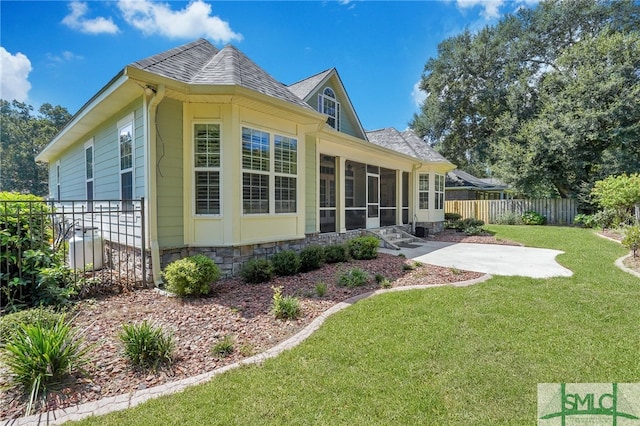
440	356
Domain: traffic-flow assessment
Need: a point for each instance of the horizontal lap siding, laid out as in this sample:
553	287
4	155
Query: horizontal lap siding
311	169
558	211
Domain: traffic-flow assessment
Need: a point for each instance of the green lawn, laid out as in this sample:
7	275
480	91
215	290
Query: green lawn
439	356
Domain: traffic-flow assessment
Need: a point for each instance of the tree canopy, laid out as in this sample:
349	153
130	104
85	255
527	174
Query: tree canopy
23	135
546	100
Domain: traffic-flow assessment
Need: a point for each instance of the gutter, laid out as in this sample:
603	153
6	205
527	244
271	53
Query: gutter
152	205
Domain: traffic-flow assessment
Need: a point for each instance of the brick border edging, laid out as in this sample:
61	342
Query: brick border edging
129	400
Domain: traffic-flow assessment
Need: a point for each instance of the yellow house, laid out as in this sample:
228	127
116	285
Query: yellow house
235	164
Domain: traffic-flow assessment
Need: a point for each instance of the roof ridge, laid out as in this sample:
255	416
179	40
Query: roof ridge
171	53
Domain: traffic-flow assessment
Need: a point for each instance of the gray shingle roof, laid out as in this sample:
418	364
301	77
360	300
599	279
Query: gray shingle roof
199	62
303	88
406	142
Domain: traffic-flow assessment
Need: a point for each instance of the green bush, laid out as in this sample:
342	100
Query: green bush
11	323
631	239
191	276
286	263
605	218
354	277
533	218
336	253
321	289
224	347
40	355
312	257
56	285
145	345
363	248
284	307
585	220
257	271
509	218
25	237
473	230
452	216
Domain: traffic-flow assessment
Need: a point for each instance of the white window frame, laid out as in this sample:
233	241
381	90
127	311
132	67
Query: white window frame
439	191
58	183
270	173
122	125
423	178
89	177
195	169
329	95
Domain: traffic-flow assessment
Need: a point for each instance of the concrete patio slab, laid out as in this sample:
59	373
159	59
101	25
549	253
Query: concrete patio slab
488	258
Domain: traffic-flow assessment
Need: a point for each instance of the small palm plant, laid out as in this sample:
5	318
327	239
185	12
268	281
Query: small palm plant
40	356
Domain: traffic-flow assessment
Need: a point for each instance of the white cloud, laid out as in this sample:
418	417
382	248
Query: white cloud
418	94
194	20
76	20
65	56
14	78
491	8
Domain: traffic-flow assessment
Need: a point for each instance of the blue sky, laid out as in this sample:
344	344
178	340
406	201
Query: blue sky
64	52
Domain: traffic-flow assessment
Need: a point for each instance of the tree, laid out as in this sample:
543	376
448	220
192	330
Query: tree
538	100
620	193
23	135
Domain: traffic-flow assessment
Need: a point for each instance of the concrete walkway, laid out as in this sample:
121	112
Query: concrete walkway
492	259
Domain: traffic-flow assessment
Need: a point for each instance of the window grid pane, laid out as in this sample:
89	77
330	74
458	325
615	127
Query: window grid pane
285	194
255	193
286	156
255	150
423	192
207	192
89	161
207	145
126	154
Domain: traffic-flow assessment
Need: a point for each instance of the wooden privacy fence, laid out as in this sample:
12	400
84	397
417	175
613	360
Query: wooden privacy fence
558	211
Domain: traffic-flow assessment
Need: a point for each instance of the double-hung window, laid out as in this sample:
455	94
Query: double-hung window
88	167
439	191
206	147
423	191
125	137
269	172
328	104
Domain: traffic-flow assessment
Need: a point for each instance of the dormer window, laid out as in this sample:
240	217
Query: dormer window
327	104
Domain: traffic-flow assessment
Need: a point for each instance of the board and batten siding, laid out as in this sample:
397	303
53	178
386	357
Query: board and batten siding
169	174
311	182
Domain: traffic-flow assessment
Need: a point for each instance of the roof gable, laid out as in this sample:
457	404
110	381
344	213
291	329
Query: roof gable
309	88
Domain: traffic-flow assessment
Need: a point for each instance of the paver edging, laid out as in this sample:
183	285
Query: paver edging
619	263
129	400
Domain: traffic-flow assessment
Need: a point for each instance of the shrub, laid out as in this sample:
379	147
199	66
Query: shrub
509	218
631	239
472	222
312	257
56	285
354	277
533	218
40	355
363	248
336	253
223	347
25	235
473	230
452	216
379	278
605	218
145	345
284	307
191	276
11	323
257	271
586	220
321	289
385	283
286	263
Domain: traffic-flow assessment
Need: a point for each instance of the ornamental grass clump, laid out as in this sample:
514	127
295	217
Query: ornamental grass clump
147	346
40	356
223	347
354	277
191	276
284	307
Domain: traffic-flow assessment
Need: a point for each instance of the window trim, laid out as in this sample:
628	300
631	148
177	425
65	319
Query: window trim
438	189
271	172
322	96
58	183
89	145
123	124
424	191
195	169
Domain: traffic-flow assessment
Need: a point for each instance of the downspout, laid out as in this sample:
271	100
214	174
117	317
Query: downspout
152	205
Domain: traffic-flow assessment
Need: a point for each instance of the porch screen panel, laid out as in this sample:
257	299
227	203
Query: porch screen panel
327	193
355	195
405	198
388	196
